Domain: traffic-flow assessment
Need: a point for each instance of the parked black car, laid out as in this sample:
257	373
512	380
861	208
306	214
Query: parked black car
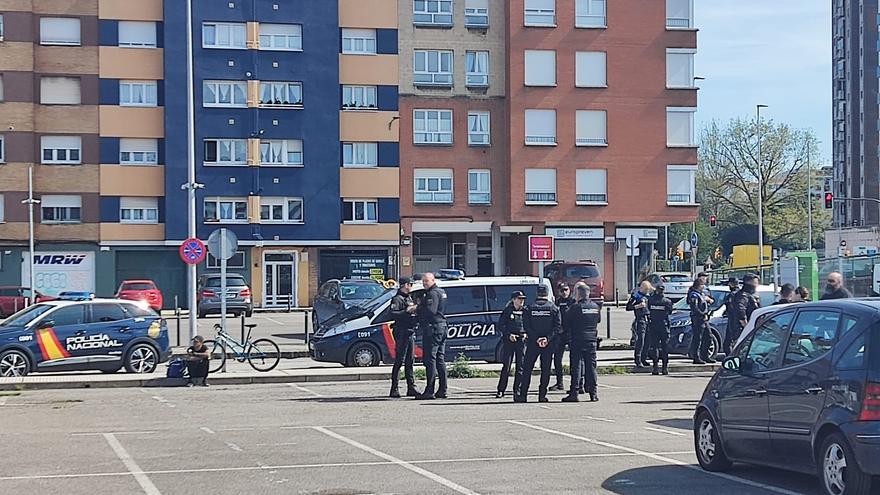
801	392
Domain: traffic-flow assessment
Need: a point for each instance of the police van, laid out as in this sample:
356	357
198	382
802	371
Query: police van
363	335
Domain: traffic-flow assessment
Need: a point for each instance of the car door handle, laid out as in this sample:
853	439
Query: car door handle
756	392
814	390
80	332
125	329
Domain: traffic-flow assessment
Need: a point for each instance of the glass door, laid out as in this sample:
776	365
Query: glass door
280	279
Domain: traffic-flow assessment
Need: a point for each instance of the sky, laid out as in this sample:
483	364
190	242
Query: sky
772	52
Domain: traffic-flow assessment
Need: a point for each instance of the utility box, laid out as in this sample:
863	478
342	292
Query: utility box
808	270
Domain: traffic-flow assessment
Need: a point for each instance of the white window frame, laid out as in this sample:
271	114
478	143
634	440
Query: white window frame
218	201
543	137
587	195
677	52
2	149
535	73
691	138
138	151
236	146
676	22
365	205
587	15
231	86
149	91
232	28
3	198
146	208
148	42
423	76
474	61
423	130
582	136
428	186
540	194
290	152
476	13
60	98
358	41
64	204
539	15
479	195
273	202
424	15
584	75
61	155
673	199
479	128
280	40
363	154
1	32
284	86
46	20
359	97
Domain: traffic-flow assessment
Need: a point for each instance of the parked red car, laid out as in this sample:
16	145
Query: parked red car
141	290
13	299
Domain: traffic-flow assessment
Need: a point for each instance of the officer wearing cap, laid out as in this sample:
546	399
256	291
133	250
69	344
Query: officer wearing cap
745	302
564	301
543	325
733	286
513	342
583	320
659	309
403	312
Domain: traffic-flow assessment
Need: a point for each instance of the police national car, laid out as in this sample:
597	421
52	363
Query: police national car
97	334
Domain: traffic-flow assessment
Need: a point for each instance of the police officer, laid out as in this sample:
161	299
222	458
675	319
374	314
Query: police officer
659	307
745	302
403	312
564	302
699	303
583	320
543	325
513	342
432	324
733	286
638	304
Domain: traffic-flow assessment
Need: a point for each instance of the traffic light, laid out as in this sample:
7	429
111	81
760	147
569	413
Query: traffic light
713	220
829	200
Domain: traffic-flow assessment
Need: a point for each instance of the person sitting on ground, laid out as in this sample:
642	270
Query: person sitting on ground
197	358
834	288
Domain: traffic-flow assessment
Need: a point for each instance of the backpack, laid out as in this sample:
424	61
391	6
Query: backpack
176	368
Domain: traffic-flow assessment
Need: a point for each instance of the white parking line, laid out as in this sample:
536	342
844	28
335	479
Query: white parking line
306	390
273	320
394	460
234	447
295	427
551	420
668	432
208	430
658	457
135	470
88	434
162	400
453	387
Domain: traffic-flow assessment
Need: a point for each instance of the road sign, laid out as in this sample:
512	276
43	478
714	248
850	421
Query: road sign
193	251
632	241
222	246
540	248
843	243
695	241
684	246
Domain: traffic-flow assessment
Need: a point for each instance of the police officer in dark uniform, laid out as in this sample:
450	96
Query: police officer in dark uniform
543	325
564	302
660	307
699	303
403	312
432	324
745	302
583	320
513	342
638	304
733	286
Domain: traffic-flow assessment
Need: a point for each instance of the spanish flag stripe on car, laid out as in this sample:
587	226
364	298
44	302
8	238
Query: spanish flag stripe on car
49	345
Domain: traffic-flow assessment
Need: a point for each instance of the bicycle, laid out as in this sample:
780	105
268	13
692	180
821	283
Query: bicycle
262	354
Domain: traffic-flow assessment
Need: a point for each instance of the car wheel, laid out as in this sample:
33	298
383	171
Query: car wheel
14	363
142	358
714	344
202	314
839	470
708	446
364	355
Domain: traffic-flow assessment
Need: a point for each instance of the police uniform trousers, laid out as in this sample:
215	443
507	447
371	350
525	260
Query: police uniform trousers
533	352
658	342
582	357
510	352
700	337
640	328
404	342
731	336
434	356
558	351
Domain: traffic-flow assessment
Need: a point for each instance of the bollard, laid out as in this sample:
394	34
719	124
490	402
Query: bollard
288	304
306	321
242	327
608	323
177	318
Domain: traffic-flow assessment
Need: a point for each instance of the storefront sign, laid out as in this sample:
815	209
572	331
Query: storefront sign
373	267
576	233
59	271
643	234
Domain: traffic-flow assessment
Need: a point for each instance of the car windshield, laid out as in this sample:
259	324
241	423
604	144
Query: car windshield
719	295
138	286
367	291
581	271
231	280
677	278
25	316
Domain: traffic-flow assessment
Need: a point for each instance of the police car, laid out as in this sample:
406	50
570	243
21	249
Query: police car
96	334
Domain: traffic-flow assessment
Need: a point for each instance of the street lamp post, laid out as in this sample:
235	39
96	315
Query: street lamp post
30	201
809	199
191	169
760	193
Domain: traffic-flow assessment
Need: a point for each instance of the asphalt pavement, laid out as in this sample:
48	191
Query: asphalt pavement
347	438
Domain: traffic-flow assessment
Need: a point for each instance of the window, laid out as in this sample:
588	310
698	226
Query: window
680	184
591	187
591	125
680	126
541	127
1	76
281	37
812	335
360	211
433	67
589	13
679	14
106	313
540	186
61	149
280	94
432	126
540	13
432	12
768	344
476	13
478	128
138	210
360	154
477	69
359	41
138	93
499	295
2	150
70	315
60	91
359	97
1	27
224	94
680	68
540	67
138	151
59	31
137	34
2	208
225	152
281	152
281	210
237	261
853	358
479	187
61	209
225	210
590	70
224	35
433	185
465	300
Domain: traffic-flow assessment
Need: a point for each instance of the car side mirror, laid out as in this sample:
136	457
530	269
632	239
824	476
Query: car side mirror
732	364
46	324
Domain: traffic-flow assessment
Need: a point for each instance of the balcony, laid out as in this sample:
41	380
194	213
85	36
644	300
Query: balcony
678	23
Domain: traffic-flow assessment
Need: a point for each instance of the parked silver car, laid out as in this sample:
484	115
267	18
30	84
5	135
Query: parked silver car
238	295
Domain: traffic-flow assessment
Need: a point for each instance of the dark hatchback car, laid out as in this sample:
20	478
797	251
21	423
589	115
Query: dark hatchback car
802	393
335	296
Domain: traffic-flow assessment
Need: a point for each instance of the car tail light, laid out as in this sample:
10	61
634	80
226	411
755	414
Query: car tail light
871	404
208	293
245	293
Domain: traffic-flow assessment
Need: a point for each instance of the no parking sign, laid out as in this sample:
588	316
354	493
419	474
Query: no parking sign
193	251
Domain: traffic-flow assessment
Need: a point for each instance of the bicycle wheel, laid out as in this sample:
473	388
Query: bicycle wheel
264	355
218	357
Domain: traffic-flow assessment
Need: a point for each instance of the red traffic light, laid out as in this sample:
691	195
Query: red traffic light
829	200
713	220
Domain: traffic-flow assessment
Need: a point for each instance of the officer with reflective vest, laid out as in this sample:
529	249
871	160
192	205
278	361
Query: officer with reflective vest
583	320
659	307
543	325
513	342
